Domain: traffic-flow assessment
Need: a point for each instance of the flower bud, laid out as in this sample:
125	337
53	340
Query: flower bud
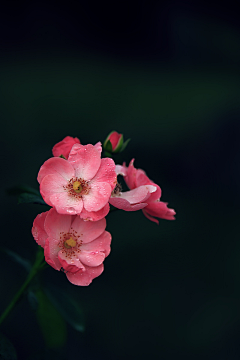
114	143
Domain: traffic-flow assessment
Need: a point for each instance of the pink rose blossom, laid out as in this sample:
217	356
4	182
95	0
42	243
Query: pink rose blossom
64	147
81	185
136	179
78	247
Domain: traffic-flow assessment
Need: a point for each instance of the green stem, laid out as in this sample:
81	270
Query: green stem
35	268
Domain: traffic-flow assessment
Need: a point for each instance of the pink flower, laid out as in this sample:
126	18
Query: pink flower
135	180
64	147
81	185
78	247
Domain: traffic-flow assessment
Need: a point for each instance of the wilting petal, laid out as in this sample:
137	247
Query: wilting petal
159	209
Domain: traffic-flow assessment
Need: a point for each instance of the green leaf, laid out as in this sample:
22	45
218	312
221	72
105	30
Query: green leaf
108	146
7	350
26	195
68	307
17	190
17	258
50	321
124	145
30	199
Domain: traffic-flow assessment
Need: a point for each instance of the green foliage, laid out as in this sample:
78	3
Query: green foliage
26	195
67	307
50	321
17	258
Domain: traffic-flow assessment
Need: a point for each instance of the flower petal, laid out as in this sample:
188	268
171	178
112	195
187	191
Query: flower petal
51	250
50	184
97	197
38	230
102	243
98	146
55	224
92	258
121	170
65	204
95	215
72	264
57	166
63	147
106	173
84	278
125	205
85	159
88	230
159	209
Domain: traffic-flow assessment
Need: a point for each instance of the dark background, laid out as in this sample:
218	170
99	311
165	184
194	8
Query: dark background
166	75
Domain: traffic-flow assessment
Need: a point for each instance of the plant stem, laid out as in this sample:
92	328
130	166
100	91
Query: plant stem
34	270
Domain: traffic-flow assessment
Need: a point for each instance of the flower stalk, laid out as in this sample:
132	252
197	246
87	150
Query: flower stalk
37	266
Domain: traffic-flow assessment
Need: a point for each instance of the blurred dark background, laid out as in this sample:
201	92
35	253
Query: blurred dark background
166	75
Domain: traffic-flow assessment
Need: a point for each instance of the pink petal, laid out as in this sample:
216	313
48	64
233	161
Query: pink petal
150	217
56	223
121	170
86	160
51	184
138	194
51	253
136	197
95	215
159	209
57	166
102	243
156	195
125	205
130	178
84	278
98	146
65	204
92	258
97	197
63	147
106	173
143	179
38	230
73	265
88	230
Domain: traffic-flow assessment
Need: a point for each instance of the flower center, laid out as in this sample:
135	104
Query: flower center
70	243
77	187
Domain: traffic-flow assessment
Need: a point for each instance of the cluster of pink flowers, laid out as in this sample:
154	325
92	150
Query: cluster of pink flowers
79	185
